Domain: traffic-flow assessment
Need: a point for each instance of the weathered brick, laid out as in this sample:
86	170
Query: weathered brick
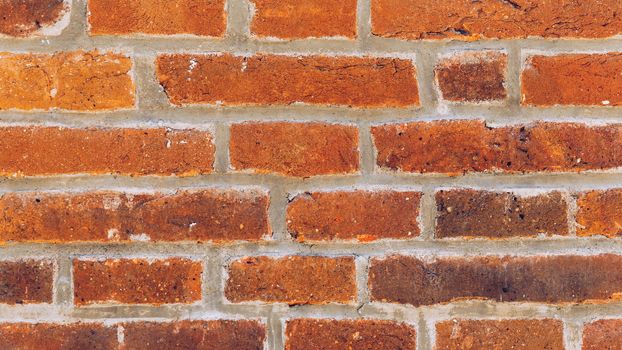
462	146
573	79
472	76
475	213
32	17
293	280
294	149
26	282
64	336
500	334
108	216
137	281
603	334
78	81
284	80
312	334
197	17
203	335
361	215
30	151
544	279
470	20
292	19
600	213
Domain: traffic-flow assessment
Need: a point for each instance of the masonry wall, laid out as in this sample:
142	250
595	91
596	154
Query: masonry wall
318	174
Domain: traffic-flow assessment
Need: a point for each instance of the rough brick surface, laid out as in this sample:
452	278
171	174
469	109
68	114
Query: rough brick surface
56	150
472	76
292	19
108	216
70	336
600	213
197	17
470	20
311	334
78	81
292	280
294	149
29	17
137	281
26	282
203	335
544	279
500	334
603	334
347	215
283	80
573	79
473	213
463	146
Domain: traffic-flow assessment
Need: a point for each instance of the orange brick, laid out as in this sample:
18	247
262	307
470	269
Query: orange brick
30	18
284	80
31	151
603	334
292	280
294	149
107	216
137	281
26	282
77	81
600	213
197	17
31	336
292	19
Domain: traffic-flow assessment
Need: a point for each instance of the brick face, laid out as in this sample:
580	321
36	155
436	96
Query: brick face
197	17
284	80
26	282
600	213
137	281
109	216
27	336
602	334
28	18
293	280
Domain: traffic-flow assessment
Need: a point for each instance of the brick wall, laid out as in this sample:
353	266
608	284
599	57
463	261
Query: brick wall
318	174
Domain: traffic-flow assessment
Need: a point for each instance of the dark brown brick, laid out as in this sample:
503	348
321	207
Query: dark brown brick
29	17
475	213
108	216
137	281
312	334
600	213
472	76
361	215
463	146
542	279
603	334
71	336
293	280
500	334
199	335
26	282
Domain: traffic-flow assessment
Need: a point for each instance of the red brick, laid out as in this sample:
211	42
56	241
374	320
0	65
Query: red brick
573	79
600	213
27	336
200	335
292	280
284	80
471	20
294	149
78	81
292	19
36	151
108	216
541	279
26	282
197	17
500	334
603	334
347	215
31	17
472	76
475	213
463	146
137	281
312	334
